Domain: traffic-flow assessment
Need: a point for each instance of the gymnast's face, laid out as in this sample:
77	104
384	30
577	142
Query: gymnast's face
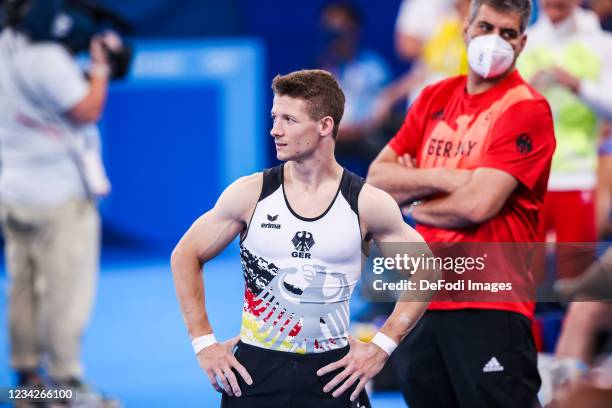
296	135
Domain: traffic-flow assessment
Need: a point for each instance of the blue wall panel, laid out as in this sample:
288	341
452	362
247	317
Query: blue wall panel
186	123
160	160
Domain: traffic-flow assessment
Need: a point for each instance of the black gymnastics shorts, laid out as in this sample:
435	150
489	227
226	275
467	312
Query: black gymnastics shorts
288	380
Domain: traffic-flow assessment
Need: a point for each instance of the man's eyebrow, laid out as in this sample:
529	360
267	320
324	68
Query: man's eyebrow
283	115
510	30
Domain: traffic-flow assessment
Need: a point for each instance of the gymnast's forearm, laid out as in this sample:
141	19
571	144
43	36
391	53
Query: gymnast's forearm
189	285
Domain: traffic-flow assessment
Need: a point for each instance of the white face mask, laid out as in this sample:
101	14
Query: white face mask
489	55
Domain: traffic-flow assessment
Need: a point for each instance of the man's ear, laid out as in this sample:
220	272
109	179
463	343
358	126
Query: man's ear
326	126
522	44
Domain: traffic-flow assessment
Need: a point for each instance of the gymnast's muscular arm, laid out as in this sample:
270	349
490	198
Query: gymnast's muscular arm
206	238
381	219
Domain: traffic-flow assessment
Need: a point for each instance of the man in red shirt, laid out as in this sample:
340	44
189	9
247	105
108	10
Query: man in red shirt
473	157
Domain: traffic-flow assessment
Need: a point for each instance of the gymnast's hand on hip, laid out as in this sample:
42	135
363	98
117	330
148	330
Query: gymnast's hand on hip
362	362
217	362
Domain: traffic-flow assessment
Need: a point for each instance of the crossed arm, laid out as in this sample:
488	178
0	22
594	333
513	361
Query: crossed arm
454	198
397	176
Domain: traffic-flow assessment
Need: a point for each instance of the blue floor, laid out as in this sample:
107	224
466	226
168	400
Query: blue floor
137	347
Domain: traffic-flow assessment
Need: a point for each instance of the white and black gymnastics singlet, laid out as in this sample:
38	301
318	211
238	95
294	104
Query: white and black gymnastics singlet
300	272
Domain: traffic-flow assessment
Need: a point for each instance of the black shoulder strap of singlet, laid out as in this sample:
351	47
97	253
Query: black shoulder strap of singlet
272	180
350	187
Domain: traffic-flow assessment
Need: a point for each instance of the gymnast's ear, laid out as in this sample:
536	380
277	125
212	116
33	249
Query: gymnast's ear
326	126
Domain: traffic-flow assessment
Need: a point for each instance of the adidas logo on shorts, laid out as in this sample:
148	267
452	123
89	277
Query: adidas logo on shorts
492	366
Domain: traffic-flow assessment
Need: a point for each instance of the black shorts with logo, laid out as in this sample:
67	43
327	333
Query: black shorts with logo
469	358
288	380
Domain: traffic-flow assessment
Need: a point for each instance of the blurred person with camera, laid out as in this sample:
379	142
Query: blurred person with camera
51	173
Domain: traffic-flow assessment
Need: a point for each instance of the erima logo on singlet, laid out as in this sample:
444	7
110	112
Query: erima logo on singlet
302	241
270	224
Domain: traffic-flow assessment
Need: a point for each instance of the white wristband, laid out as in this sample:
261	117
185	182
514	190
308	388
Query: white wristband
384	342
200	343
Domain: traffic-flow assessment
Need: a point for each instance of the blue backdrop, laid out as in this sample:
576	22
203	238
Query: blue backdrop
186	123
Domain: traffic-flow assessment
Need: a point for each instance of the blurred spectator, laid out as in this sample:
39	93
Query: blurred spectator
604	183
603	9
430	34
589	320
568	58
594	284
590	394
363	75
51	169
585	320
592	390
589	316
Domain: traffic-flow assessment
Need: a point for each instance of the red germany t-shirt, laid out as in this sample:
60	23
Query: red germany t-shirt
509	128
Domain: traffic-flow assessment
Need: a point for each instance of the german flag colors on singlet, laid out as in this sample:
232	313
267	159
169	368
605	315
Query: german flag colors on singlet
300	272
